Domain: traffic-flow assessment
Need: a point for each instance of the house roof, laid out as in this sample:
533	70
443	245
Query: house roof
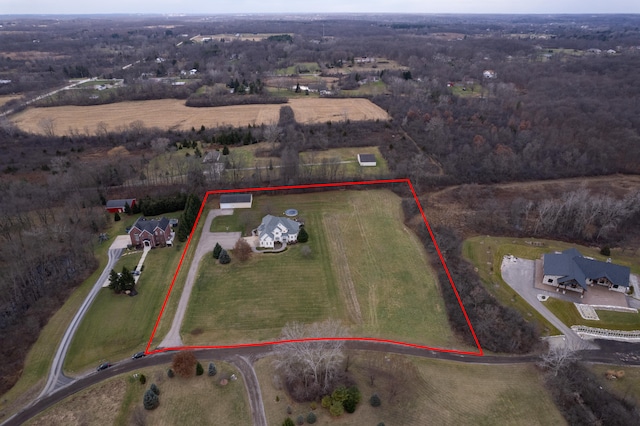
150	225
571	265
236	198
112	204
367	158
270	224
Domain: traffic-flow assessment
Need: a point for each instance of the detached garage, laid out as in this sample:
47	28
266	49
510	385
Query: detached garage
367	160
236	201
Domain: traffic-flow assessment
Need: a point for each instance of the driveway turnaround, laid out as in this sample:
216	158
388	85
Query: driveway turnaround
206	245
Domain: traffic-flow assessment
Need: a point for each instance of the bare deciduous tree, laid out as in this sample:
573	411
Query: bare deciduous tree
242	250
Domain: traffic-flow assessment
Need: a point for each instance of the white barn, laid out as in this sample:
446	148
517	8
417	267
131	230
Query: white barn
277	230
236	201
367	160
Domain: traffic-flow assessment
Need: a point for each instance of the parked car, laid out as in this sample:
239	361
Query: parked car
138	355
103	366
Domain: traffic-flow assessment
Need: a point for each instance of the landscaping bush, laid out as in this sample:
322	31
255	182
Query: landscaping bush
288	422
352	399
150	400
375	400
170	373
142	379
199	369
184	363
311	418
212	369
300	420
154	389
605	251
336	409
224	257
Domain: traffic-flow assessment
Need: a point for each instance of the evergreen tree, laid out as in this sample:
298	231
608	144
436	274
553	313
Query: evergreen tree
224	257
311	417
154	389
199	369
225	150
127	208
303	237
212	369
216	251
150	400
116	217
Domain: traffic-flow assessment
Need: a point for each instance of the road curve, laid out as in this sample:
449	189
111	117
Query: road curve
612	352
56	377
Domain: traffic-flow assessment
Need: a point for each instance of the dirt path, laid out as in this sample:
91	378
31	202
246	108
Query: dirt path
206	245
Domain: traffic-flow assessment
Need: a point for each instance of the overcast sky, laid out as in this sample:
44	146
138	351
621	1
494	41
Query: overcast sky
323	6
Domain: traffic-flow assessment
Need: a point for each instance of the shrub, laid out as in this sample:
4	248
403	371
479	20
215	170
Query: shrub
300	420
142	379
150	400
313	405
170	373
381	424
605	251
184	363
336	409
199	369
375	400
288	422
154	389
212	369
289	410
326	401
311	418
224	258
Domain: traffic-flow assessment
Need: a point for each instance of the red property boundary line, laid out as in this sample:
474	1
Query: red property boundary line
362	339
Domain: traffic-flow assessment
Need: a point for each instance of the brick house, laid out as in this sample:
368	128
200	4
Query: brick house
151	232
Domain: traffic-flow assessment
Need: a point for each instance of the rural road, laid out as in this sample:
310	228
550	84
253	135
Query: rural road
612	352
206	245
56	377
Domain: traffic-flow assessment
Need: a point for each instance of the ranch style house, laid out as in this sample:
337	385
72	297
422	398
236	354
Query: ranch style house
151	232
570	270
275	229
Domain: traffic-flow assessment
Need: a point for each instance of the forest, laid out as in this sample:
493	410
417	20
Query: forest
473	101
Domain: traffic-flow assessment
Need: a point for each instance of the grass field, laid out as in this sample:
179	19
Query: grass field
627	387
568	314
198	400
368	89
117	325
6	98
438	393
173	114
366	269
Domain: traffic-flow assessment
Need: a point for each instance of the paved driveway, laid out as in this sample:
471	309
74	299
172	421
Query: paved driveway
519	274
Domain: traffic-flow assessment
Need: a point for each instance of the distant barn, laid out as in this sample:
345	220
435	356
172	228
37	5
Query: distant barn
118	206
236	201
367	160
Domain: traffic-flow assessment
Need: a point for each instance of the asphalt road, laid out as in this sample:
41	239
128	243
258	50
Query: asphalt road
611	352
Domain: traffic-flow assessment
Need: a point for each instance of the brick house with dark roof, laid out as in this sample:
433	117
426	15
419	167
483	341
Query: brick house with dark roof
151	232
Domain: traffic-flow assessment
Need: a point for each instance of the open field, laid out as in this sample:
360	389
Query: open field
235	37
436	392
117	325
368	89
366	269
198	400
6	98
486	253
627	387
173	114
568	314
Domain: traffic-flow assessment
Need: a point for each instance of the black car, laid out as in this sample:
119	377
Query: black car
138	355
103	366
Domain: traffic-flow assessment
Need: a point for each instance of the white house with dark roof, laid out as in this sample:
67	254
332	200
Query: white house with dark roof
367	160
570	270
151	232
275	229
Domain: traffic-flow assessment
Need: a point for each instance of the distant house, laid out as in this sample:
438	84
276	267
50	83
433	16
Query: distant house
275	229
118	206
151	232
236	201
570	270
367	160
489	74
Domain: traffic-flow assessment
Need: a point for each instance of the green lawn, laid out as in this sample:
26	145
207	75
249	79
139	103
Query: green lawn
627	387
568	314
366	269
368	89
118	325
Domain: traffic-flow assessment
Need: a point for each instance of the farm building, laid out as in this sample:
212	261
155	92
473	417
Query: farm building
236	201
275	229
367	160
151	232
569	270
118	206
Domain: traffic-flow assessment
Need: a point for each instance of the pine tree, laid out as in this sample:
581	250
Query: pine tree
127	208
154	389
150	400
199	369
224	257
212	369
225	150
303	237
116	217
216	251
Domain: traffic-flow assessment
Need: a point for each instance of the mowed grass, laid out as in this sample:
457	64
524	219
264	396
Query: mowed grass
173	114
348	158
198	400
627	387
117	325
436	393
568	314
366	269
